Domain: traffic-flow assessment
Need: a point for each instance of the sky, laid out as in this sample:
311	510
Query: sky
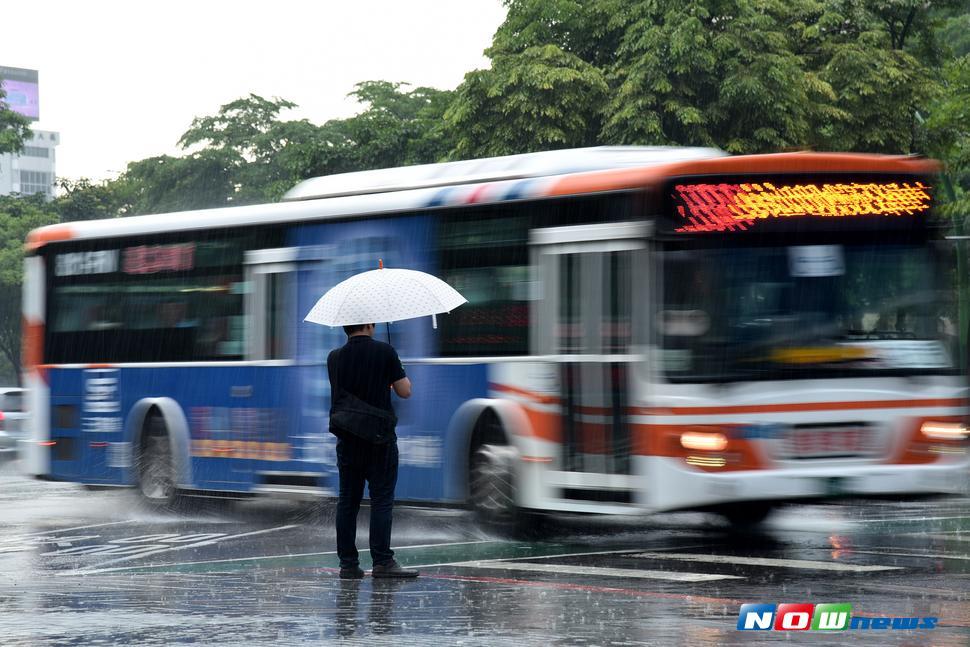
121	81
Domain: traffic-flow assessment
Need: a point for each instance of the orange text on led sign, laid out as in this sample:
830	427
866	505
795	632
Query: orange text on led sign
734	207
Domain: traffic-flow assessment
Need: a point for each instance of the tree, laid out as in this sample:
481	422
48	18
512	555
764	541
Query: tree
86	200
542	98
14	127
591	30
717	73
161	184
397	127
242	143
246	153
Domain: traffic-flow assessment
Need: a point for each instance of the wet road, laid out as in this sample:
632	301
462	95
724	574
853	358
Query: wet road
96	568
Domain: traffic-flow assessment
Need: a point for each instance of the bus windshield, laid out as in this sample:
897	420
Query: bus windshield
792	312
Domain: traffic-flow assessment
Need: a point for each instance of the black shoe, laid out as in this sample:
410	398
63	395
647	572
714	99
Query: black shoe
392	569
355	573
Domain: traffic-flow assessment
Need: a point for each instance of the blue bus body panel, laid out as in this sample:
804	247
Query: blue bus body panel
240	416
230	409
337	251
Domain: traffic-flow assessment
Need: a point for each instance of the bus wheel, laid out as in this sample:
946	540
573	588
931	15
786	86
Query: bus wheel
743	516
156	469
491	486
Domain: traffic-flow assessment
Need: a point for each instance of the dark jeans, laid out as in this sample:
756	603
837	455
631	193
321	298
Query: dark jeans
359	460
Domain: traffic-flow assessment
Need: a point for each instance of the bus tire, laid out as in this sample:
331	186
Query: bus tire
492	494
156	465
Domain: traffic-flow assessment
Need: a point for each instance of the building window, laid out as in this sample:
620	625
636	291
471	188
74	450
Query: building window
36	151
32	182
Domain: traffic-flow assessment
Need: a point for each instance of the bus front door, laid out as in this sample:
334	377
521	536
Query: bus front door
587	325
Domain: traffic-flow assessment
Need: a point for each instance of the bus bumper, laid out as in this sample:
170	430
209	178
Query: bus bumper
672	486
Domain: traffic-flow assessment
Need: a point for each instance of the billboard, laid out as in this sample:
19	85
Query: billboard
22	91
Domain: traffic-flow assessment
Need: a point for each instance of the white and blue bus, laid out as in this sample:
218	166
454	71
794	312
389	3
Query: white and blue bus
646	329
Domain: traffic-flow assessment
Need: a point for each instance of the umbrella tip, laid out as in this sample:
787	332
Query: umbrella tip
380	263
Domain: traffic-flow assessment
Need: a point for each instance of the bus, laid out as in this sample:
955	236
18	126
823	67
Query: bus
647	329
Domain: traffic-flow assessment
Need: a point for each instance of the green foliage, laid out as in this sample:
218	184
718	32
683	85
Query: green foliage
247	154
542	97
744	75
589	30
949	128
86	200
236	161
396	128
707	73
162	184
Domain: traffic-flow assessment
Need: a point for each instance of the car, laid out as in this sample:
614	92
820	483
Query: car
13	424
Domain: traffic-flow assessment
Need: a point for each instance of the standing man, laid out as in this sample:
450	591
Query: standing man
367	369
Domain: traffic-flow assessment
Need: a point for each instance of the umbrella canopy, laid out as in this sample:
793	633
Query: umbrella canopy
384	295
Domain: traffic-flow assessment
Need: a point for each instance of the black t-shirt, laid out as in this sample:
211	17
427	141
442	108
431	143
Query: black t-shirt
367	368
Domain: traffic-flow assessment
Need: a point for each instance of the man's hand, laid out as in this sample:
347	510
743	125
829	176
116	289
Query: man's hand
403	388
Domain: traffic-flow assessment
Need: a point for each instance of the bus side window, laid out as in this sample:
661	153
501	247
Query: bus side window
278	343
270	304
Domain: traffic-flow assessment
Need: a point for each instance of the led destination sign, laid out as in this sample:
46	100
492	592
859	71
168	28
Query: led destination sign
720	207
143	259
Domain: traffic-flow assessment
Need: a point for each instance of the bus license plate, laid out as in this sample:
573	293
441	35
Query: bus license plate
828	442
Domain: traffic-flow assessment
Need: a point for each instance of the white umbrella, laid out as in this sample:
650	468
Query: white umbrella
384	295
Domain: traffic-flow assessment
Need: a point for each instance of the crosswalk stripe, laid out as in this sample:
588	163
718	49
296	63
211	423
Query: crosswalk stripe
891	553
767	561
949	536
564	569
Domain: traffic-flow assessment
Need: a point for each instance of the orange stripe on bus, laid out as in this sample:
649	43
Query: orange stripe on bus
545	425
32	337
616	180
538	397
245	449
594	411
50	234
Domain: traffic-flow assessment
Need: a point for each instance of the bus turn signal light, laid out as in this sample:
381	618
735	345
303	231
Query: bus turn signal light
944	430
703	441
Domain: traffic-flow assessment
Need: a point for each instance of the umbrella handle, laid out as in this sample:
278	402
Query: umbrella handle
388	326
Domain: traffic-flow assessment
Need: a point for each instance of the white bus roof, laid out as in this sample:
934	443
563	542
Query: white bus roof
476	182
389	190
493	169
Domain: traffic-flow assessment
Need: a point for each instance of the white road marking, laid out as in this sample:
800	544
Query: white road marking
894	519
55	531
514	559
259	557
950	537
561	569
207	542
891	553
767	561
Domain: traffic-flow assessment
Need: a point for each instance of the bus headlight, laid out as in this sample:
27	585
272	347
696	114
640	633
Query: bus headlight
933	430
703	441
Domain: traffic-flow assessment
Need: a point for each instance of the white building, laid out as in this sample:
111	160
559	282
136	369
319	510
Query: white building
32	171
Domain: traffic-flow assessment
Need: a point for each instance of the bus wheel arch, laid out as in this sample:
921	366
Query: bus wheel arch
466	430
154	418
489	455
